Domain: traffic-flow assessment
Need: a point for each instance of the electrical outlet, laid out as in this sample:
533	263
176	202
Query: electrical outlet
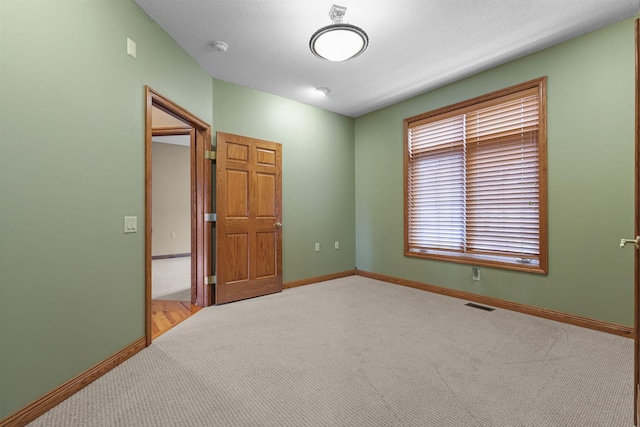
475	273
317	248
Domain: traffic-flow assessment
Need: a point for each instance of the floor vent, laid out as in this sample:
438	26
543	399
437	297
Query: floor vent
481	307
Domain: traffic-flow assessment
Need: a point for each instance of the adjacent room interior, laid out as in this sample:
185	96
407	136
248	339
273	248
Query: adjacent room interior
171	218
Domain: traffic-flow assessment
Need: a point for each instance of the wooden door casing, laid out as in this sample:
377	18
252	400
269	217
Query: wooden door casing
200	135
636	268
249	215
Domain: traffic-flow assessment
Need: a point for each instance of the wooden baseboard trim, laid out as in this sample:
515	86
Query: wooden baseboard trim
56	396
296	283
171	256
572	319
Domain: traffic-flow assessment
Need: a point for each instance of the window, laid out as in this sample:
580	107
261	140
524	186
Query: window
475	181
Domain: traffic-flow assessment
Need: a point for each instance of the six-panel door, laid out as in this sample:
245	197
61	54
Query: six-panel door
249	215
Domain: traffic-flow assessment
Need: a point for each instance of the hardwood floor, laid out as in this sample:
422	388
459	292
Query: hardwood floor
167	314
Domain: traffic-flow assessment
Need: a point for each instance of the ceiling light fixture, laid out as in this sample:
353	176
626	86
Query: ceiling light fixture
338	41
323	90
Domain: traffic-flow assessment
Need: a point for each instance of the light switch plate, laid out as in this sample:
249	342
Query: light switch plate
130	224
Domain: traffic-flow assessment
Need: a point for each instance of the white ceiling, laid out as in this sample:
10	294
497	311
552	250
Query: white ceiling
414	45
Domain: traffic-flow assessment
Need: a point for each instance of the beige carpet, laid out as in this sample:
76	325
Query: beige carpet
171	279
359	352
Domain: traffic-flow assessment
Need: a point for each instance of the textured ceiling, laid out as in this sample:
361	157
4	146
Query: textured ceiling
415	45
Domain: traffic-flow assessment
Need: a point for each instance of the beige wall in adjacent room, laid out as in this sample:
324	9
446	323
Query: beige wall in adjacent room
171	213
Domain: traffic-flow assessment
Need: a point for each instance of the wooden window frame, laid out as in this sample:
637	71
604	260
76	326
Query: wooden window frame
503	262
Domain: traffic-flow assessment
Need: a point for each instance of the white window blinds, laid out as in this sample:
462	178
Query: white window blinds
473	181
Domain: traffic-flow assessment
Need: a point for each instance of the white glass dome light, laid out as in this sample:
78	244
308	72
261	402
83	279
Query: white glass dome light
338	41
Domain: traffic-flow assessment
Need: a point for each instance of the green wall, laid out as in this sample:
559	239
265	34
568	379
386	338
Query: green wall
318	196
590	173
72	165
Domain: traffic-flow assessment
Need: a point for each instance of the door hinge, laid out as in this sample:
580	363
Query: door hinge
210	154
210	217
210	280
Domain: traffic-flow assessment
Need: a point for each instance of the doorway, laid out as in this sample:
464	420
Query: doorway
171	259
177	196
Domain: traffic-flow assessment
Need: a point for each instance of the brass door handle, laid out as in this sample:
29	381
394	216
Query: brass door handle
278	225
635	242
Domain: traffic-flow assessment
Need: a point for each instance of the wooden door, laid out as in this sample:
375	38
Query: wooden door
249	215
636	321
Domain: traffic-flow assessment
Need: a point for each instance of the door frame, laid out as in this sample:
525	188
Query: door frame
636	262
201	183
